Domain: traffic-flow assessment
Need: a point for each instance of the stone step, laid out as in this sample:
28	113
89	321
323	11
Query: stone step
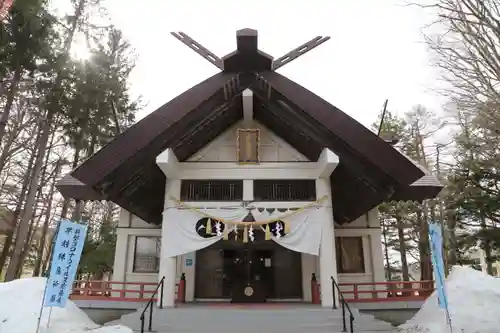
265	331
296	319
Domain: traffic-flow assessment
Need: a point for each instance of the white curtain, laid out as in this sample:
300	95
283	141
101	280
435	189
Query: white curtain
179	229
305	229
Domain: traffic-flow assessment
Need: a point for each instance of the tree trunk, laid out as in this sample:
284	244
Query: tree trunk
402	248
486	247
426	272
6	248
76	216
6	150
34	226
30	202
74	165
13	135
31	235
4	118
424	246
80	205
40	251
17	211
444	231
48	210
45	129
452	239
386	250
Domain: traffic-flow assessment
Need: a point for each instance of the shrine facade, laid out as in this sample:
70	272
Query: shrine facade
248	185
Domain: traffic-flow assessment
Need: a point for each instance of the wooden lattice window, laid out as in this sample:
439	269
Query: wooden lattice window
284	190
247	146
212	190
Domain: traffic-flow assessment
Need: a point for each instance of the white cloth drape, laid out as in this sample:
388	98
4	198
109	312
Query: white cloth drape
179	229
306	228
180	236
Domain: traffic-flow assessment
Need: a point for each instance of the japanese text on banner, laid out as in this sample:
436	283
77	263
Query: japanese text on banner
64	264
436	240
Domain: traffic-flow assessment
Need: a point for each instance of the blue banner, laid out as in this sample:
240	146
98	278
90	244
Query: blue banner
66	255
436	242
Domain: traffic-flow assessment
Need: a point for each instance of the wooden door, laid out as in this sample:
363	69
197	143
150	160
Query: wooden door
287	269
209	273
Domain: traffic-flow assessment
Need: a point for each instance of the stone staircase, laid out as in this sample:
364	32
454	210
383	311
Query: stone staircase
242	319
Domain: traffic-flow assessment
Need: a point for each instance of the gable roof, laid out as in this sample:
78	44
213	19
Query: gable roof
124	171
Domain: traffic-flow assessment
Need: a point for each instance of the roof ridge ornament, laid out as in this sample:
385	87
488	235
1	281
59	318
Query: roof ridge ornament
299	51
200	49
247	56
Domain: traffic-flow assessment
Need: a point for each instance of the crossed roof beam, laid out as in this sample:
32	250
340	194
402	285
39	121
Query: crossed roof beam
247	42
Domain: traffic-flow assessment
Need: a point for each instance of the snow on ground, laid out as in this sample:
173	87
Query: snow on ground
473	301
20	302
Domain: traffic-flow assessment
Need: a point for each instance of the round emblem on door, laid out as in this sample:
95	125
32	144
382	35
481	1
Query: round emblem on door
248	291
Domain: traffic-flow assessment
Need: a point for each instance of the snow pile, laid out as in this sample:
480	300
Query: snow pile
473	301
20	302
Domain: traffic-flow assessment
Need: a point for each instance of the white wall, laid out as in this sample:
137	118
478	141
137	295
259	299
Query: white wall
367	227
130	227
223	149
372	248
272	147
310	265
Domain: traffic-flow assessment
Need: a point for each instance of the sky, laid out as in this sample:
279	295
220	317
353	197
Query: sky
375	51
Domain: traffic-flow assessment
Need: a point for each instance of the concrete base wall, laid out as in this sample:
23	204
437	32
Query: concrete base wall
103	312
395	317
395	313
103	316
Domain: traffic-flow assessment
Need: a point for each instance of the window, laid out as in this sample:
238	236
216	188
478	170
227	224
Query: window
147	255
247	148
284	190
350	257
212	190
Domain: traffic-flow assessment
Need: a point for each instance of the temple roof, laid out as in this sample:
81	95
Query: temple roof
370	171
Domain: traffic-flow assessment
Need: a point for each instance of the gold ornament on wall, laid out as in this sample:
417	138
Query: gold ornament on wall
247	146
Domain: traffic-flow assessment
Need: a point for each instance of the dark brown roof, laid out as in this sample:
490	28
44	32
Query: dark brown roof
71	187
428	186
124	171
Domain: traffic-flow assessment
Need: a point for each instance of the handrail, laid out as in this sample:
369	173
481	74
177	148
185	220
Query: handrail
116	291
150	306
344	306
387	291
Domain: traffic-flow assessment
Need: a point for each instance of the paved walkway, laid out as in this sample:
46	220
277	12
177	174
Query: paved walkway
266	318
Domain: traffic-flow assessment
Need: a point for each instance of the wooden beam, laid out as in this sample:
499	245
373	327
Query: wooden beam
351	135
278	112
200	49
299	51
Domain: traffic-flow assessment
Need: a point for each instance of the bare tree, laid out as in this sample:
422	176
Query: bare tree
466	49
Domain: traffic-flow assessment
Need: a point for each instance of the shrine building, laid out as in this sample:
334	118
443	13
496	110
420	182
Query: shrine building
248	184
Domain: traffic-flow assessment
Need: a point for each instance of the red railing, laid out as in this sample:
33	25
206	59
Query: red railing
114	291
391	291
